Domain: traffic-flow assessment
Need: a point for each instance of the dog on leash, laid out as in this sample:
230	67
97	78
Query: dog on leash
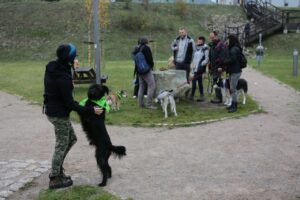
242	89
165	98
115	99
95	129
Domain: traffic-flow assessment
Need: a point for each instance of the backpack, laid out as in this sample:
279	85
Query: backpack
243	60
141	64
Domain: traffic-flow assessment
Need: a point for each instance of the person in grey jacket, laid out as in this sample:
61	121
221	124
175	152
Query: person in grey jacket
234	69
198	67
183	49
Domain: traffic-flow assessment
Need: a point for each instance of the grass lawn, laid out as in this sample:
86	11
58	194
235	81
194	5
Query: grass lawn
278	60
26	79
77	193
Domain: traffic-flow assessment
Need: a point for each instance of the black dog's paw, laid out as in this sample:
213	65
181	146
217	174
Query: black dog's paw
102	184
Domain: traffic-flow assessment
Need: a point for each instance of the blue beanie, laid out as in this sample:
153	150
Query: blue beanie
66	52
72	52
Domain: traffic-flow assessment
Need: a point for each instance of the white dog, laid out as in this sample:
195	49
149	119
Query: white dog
166	97
242	88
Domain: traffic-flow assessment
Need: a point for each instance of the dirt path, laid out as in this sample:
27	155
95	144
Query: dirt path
254	157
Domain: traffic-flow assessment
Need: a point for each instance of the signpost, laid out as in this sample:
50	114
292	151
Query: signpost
96	40
295	62
259	51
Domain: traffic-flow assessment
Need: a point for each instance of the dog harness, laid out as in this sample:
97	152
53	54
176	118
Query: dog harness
101	103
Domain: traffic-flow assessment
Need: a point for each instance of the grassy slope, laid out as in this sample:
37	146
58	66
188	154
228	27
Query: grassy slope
278	61
32	29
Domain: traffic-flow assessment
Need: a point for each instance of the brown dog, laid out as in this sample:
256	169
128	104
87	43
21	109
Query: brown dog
114	100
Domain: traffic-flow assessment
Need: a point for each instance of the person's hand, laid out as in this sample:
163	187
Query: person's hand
98	110
220	69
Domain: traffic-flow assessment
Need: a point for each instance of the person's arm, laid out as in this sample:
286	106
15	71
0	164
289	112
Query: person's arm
66	88
189	52
148	55
174	45
206	58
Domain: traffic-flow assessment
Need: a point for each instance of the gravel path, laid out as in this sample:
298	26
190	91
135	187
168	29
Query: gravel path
255	157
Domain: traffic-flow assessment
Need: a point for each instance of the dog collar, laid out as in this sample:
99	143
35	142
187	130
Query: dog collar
101	103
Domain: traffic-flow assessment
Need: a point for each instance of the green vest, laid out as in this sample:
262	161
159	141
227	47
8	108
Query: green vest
101	103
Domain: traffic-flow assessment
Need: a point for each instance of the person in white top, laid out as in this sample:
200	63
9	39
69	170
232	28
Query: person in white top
198	67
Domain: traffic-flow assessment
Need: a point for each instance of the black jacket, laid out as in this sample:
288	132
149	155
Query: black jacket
233	63
58	91
147	53
218	56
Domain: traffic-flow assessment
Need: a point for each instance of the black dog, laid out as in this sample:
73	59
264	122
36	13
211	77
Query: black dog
94	127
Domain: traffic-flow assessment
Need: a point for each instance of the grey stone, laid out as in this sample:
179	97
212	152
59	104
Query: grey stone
4	183
16	186
5	193
171	80
11	174
41	169
31	167
3	162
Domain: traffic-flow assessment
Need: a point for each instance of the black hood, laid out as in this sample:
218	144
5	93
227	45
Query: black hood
56	68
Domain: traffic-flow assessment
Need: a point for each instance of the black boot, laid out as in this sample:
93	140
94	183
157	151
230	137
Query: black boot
59	182
233	108
218	98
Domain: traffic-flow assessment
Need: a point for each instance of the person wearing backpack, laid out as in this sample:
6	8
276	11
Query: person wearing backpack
144	65
234	69
198	66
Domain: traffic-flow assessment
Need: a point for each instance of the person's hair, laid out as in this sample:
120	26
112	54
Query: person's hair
201	38
143	40
215	33
233	41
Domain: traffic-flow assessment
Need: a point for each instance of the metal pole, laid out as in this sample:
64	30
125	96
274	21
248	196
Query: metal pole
295	62
97	40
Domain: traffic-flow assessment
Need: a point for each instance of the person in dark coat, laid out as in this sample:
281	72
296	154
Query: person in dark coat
218	55
58	103
234	69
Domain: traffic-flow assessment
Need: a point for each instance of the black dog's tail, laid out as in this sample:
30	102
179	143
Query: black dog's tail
118	151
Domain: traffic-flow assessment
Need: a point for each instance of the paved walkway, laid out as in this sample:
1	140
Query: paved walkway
254	157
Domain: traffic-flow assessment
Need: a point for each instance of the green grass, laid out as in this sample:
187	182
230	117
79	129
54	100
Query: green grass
32	29
26	79
278	60
77	193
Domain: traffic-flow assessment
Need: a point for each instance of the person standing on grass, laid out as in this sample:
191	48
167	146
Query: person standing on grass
198	66
218	55
183	49
146	80
234	69
58	103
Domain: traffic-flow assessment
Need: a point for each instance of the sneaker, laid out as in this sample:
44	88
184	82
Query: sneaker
134	97
59	182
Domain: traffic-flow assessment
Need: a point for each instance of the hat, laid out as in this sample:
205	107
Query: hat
66	52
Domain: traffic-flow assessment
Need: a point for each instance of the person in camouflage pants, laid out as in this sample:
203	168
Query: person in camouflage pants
58	103
65	139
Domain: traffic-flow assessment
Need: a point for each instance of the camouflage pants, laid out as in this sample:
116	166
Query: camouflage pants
65	139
